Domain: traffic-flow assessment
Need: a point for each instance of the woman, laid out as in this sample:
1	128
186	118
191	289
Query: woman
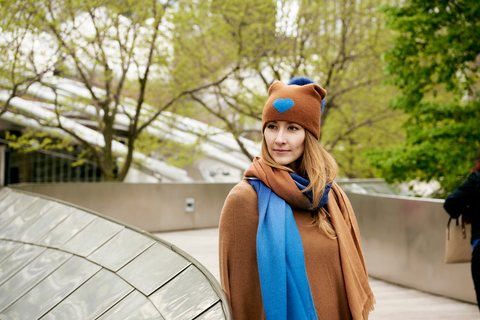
466	200
289	240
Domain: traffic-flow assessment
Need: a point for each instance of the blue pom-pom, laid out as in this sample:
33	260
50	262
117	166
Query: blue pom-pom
300	81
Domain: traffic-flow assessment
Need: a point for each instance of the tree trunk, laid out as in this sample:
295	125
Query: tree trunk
108	158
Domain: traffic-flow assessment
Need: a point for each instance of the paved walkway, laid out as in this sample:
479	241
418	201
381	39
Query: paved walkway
393	302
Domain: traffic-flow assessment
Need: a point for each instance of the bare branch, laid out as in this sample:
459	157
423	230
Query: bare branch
76	60
336	94
182	94
352	128
231	127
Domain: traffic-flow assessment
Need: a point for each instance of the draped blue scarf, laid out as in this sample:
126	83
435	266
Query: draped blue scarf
284	284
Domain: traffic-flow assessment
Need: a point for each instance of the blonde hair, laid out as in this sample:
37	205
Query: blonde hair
320	168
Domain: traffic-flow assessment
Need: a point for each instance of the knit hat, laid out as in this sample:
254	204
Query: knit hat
293	103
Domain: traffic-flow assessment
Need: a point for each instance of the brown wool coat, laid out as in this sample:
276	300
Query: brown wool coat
339	283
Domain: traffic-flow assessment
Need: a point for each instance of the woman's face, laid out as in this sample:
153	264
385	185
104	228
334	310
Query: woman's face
284	141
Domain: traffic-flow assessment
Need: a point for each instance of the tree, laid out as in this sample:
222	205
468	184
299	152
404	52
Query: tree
221	56
338	44
225	32
435	63
117	46
26	54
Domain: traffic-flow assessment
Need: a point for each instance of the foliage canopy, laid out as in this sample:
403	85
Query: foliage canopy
220	56
338	44
435	63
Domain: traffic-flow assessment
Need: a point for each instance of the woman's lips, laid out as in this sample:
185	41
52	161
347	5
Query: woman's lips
281	151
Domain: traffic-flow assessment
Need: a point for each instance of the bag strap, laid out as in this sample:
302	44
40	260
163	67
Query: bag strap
464	231
448	228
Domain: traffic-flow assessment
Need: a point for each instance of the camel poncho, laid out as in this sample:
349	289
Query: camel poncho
335	267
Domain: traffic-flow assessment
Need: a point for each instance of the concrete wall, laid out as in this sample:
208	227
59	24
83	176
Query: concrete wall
403	238
151	207
403	241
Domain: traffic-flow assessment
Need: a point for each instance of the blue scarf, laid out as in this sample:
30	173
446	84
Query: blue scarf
284	284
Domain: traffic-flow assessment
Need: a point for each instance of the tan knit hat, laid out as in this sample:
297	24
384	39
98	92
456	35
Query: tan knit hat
293	103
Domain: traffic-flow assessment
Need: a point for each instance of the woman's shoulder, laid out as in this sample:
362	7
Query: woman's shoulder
472	182
475	175
243	191
242	201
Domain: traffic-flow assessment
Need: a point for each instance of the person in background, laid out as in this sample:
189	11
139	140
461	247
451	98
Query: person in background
289	240
466	200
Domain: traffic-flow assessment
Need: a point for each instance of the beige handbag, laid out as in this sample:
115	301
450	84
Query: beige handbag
458	248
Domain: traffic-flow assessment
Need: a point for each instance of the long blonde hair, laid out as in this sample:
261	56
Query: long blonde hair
320	168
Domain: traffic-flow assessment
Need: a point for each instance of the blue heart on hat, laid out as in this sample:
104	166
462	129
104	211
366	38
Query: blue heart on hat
283	105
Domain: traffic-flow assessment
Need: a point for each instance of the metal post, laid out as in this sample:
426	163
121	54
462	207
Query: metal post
53	169
78	174
34	167
61	169
69	171
8	166
25	156
2	164
45	167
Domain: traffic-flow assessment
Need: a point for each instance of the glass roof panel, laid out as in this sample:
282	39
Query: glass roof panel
46	223
214	313
66	229
134	307
186	296
92	237
25	219
52	290
98	294
17	208
17	260
153	268
122	248
7	247
8	200
38	282
34	272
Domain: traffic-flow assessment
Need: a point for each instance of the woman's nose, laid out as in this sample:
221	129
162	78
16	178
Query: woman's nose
280	138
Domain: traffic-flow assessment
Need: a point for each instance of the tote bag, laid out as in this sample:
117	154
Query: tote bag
458	248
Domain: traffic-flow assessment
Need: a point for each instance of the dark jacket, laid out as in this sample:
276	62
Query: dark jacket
466	199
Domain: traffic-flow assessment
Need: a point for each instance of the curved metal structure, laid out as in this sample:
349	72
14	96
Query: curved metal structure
93	137
219	145
60	261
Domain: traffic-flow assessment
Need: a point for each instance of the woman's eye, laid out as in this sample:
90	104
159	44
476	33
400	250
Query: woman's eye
293	128
271	126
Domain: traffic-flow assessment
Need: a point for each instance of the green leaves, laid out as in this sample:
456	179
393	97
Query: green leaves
33	140
434	62
437	43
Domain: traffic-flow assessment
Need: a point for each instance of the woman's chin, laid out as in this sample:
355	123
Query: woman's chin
283	161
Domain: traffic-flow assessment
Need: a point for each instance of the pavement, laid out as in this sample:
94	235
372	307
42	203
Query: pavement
393	302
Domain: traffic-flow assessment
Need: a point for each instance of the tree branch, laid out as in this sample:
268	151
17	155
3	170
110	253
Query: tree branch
231	128
184	93
369	121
